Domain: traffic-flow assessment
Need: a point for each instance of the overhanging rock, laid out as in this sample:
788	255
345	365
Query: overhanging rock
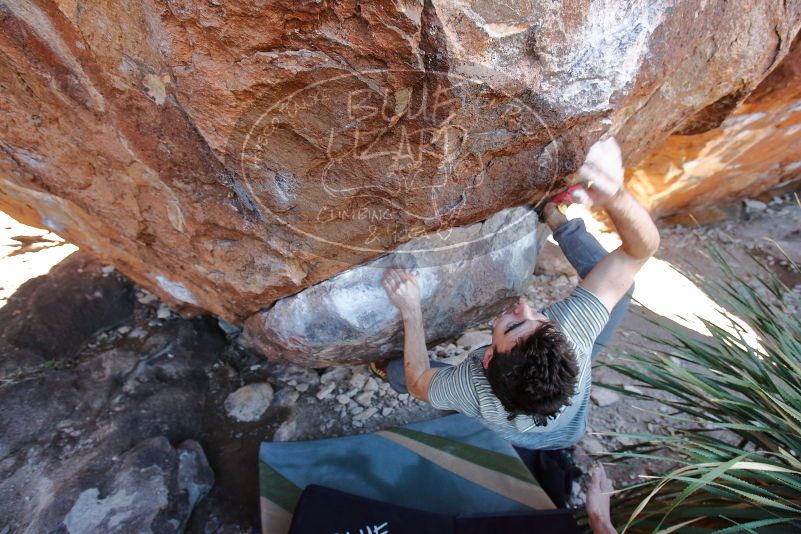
467	275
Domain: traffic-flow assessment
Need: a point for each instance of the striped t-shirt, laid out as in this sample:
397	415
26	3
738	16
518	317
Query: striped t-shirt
465	387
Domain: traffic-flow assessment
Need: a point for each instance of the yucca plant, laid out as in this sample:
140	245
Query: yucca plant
731	462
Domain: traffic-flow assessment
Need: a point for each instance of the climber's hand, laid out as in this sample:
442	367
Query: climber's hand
403	290
601	174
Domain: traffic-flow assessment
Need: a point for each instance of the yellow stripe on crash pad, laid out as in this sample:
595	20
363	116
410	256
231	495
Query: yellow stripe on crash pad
512	488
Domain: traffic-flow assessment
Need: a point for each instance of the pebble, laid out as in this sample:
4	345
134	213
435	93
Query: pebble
365	399
754	206
334	374
146	298
603	396
124	329
356	410
366	414
286	397
403	397
107	270
357	381
326	391
343	399
249	403
287	431
163	312
303	388
387	411
370	384
592	445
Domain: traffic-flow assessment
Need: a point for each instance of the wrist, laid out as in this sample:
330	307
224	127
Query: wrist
615	198
411	314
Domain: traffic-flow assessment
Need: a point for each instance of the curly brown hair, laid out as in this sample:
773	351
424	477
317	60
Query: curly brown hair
537	377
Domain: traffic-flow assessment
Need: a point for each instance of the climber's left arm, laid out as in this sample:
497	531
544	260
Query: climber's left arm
403	291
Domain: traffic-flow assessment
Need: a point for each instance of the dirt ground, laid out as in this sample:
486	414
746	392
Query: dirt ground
310	404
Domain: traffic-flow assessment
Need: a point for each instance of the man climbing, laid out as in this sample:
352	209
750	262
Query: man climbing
532	384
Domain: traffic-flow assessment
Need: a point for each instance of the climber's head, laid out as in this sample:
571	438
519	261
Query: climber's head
530	366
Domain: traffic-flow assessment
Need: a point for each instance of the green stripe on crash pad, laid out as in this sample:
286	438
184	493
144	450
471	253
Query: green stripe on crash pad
277	488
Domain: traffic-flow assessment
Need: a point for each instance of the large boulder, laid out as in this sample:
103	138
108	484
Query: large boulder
728	151
227	154
465	275
101	436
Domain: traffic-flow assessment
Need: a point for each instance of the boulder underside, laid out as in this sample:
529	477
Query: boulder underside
226	155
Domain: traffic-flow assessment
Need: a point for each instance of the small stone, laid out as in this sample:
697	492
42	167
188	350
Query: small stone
326	391
249	403
286	397
365	399
367	414
351	392
334	374
107	270
303	388
343	399
286	432
146	298
387	411
124	329
474	339
592	445
754	206
356	411
371	384
403	397
163	312
138	333
357	381
603	396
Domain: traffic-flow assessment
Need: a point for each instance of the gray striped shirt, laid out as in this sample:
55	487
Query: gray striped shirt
465	388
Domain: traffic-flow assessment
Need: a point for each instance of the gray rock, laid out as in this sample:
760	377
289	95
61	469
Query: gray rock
249	403
754	206
473	273
335	374
288	374
357	381
603	396
153	488
286	397
371	385
592	445
343	399
366	414
326	391
387	411
365	399
287	431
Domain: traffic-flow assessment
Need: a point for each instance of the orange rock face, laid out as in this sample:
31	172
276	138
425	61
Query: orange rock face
225	154
751	150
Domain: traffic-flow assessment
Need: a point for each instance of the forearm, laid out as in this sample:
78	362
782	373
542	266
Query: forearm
637	230
415	354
